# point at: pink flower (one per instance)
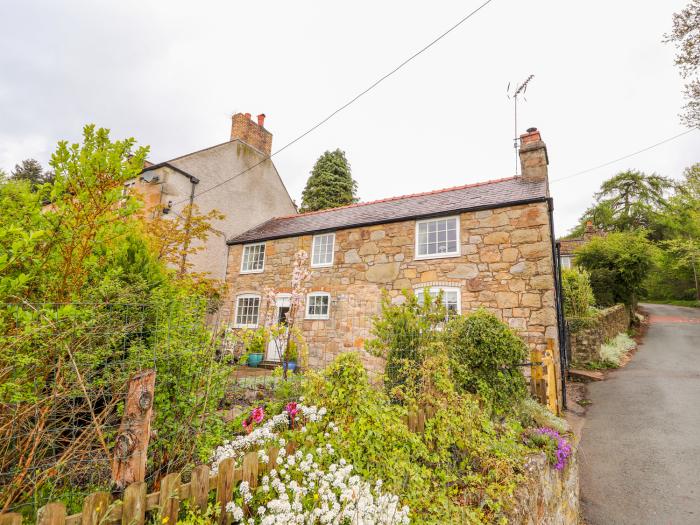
(258, 414)
(292, 409)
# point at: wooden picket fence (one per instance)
(100, 509)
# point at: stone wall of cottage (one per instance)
(505, 266)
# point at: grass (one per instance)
(694, 303)
(612, 351)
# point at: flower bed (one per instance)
(313, 486)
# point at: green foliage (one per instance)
(626, 258)
(533, 414)
(577, 292)
(330, 184)
(190, 515)
(463, 465)
(84, 303)
(486, 355)
(31, 171)
(402, 333)
(628, 201)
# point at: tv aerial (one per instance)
(519, 90)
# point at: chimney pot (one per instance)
(247, 115)
(261, 120)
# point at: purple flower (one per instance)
(563, 451)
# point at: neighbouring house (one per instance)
(568, 246)
(488, 244)
(238, 178)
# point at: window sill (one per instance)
(329, 265)
(245, 325)
(243, 272)
(437, 256)
(317, 318)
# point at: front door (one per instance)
(275, 349)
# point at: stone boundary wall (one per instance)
(549, 496)
(585, 343)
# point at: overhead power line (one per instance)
(625, 157)
(348, 103)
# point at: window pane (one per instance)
(253, 258)
(247, 310)
(323, 249)
(318, 306)
(437, 237)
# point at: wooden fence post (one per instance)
(250, 468)
(199, 487)
(169, 500)
(95, 507)
(129, 463)
(51, 514)
(224, 486)
(11, 518)
(550, 377)
(134, 507)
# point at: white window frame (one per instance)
(308, 304)
(567, 261)
(313, 250)
(437, 255)
(419, 293)
(236, 324)
(246, 246)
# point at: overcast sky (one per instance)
(171, 73)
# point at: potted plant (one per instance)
(254, 342)
(291, 355)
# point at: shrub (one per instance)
(532, 413)
(612, 351)
(578, 295)
(486, 355)
(402, 332)
(603, 284)
(627, 256)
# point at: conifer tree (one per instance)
(330, 184)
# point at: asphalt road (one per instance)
(640, 448)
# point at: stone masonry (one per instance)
(505, 266)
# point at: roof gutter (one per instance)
(192, 178)
(421, 216)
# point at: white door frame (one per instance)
(282, 300)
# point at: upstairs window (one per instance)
(247, 311)
(322, 250)
(437, 238)
(451, 298)
(318, 305)
(253, 260)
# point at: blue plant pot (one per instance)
(254, 359)
(291, 366)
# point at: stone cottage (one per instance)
(488, 244)
(237, 177)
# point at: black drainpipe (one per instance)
(561, 327)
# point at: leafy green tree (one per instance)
(31, 170)
(577, 292)
(628, 201)
(685, 35)
(330, 184)
(623, 258)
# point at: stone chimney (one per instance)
(533, 156)
(244, 129)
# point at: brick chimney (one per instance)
(533, 156)
(244, 129)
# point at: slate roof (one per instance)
(479, 196)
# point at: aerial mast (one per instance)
(519, 90)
